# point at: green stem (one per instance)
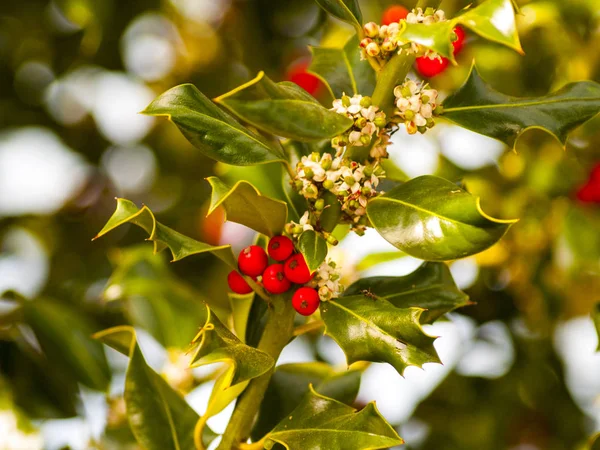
(279, 329)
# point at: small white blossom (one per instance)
(415, 105)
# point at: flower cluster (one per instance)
(381, 42)
(351, 182)
(327, 281)
(416, 105)
(368, 121)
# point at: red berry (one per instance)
(237, 283)
(459, 43)
(431, 67)
(394, 14)
(595, 173)
(589, 192)
(296, 269)
(252, 261)
(274, 279)
(280, 248)
(306, 300)
(296, 73)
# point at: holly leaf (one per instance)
(241, 305)
(159, 417)
(433, 219)
(319, 422)
(430, 287)
(373, 329)
(342, 70)
(163, 236)
(245, 204)
(493, 20)
(478, 107)
(314, 249)
(64, 336)
(596, 319)
(283, 109)
(346, 10)
(214, 132)
(290, 383)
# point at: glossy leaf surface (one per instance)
(430, 287)
(433, 219)
(342, 70)
(214, 132)
(290, 383)
(346, 10)
(159, 417)
(480, 108)
(163, 236)
(283, 109)
(319, 422)
(372, 329)
(244, 204)
(314, 249)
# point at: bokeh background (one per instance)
(520, 370)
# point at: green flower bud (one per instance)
(430, 123)
(298, 229)
(332, 264)
(328, 184)
(315, 156)
(368, 171)
(366, 140)
(380, 122)
(360, 122)
(439, 109)
(289, 228)
(331, 240)
(320, 204)
(406, 92)
(366, 190)
(349, 180)
(308, 173)
(299, 185)
(409, 114)
(365, 102)
(345, 100)
(353, 204)
(425, 98)
(422, 130)
(326, 164)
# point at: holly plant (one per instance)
(331, 165)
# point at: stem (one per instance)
(278, 331)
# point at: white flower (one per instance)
(419, 120)
(354, 138)
(426, 111)
(305, 222)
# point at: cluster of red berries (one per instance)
(426, 66)
(276, 278)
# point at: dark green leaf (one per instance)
(493, 20)
(159, 416)
(342, 70)
(480, 108)
(433, 219)
(319, 423)
(314, 249)
(373, 329)
(283, 109)
(163, 236)
(214, 132)
(430, 287)
(290, 383)
(346, 10)
(244, 204)
(65, 337)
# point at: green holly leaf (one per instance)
(245, 204)
(596, 319)
(64, 336)
(342, 70)
(283, 109)
(319, 422)
(163, 236)
(430, 287)
(433, 219)
(290, 383)
(369, 328)
(478, 107)
(314, 249)
(346, 10)
(214, 132)
(159, 417)
(241, 305)
(493, 20)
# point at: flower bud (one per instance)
(366, 101)
(411, 128)
(315, 156)
(365, 140)
(345, 100)
(328, 184)
(331, 240)
(380, 122)
(349, 180)
(365, 42)
(439, 109)
(373, 49)
(365, 190)
(425, 98)
(299, 185)
(298, 229)
(409, 114)
(368, 171)
(326, 164)
(430, 123)
(371, 29)
(422, 129)
(320, 204)
(289, 228)
(308, 173)
(325, 293)
(389, 45)
(361, 122)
